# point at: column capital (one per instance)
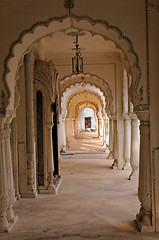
(126, 116)
(133, 116)
(144, 116)
(49, 125)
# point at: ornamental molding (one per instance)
(44, 77)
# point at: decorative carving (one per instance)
(19, 41)
(2, 107)
(154, 4)
(43, 72)
(141, 92)
(69, 4)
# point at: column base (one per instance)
(7, 226)
(134, 175)
(115, 165)
(57, 182)
(63, 150)
(127, 166)
(29, 195)
(144, 221)
(110, 156)
(47, 191)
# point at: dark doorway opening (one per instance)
(87, 122)
(40, 152)
(55, 141)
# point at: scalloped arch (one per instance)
(81, 87)
(80, 97)
(93, 80)
(41, 29)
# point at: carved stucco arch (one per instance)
(83, 97)
(76, 88)
(98, 82)
(84, 104)
(40, 29)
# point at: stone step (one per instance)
(83, 155)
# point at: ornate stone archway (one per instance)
(41, 29)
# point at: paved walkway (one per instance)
(94, 202)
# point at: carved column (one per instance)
(15, 158)
(115, 151)
(135, 147)
(96, 122)
(30, 137)
(67, 122)
(99, 127)
(110, 137)
(50, 160)
(4, 226)
(10, 184)
(127, 141)
(104, 131)
(63, 135)
(144, 218)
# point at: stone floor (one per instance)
(93, 202)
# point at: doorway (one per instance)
(87, 122)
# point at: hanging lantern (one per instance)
(77, 61)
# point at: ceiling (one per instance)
(60, 45)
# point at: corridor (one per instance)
(93, 202)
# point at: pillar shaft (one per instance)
(111, 138)
(4, 226)
(115, 150)
(50, 161)
(144, 218)
(135, 147)
(30, 138)
(10, 184)
(127, 142)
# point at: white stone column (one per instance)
(67, 127)
(125, 92)
(135, 147)
(127, 141)
(15, 158)
(50, 160)
(115, 150)
(110, 138)
(104, 132)
(62, 135)
(144, 218)
(99, 126)
(10, 184)
(30, 137)
(4, 226)
(96, 126)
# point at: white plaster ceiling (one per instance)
(59, 44)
